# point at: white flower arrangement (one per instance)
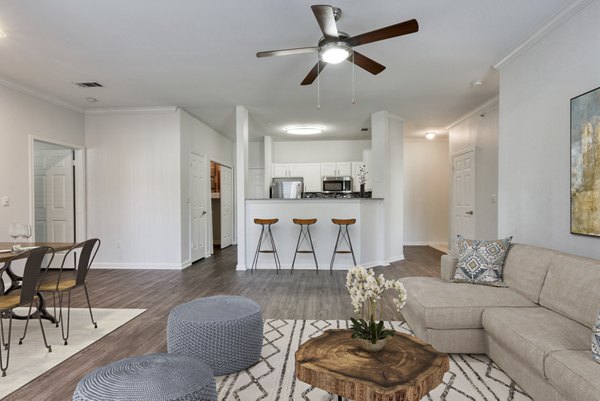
(365, 293)
(362, 174)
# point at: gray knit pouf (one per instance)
(156, 377)
(226, 332)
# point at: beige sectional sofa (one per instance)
(538, 330)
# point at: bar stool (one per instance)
(304, 235)
(342, 232)
(266, 236)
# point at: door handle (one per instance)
(470, 212)
(204, 212)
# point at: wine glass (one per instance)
(25, 231)
(13, 232)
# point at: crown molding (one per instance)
(554, 22)
(492, 102)
(39, 95)
(133, 110)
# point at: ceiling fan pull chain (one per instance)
(353, 78)
(318, 84)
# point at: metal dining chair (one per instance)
(66, 281)
(25, 296)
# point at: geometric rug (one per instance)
(471, 377)
(32, 359)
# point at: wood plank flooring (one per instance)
(303, 295)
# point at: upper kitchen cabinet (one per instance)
(340, 169)
(310, 172)
(280, 170)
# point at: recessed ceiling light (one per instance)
(430, 135)
(2, 34)
(304, 130)
(475, 84)
(91, 99)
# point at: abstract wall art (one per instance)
(585, 163)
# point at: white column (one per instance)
(268, 163)
(241, 173)
(387, 139)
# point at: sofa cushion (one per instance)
(481, 262)
(571, 288)
(531, 334)
(574, 374)
(596, 340)
(444, 305)
(525, 269)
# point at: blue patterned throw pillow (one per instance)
(596, 340)
(481, 262)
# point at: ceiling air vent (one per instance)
(89, 84)
(364, 129)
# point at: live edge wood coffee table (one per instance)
(405, 370)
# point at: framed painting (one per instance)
(585, 164)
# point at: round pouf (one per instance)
(157, 377)
(226, 332)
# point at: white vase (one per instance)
(367, 345)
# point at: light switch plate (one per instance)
(5, 201)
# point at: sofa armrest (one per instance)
(448, 266)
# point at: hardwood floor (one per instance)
(303, 295)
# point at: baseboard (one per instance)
(369, 265)
(137, 266)
(395, 258)
(240, 267)
(186, 264)
(297, 267)
(415, 243)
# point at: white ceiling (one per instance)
(200, 55)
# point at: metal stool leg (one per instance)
(274, 248)
(312, 247)
(350, 243)
(335, 250)
(256, 254)
(296, 251)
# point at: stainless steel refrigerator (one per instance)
(287, 187)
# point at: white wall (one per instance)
(133, 172)
(198, 138)
(480, 131)
(426, 186)
(319, 151)
(534, 141)
(23, 115)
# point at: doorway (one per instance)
(221, 194)
(54, 192)
(463, 199)
(198, 207)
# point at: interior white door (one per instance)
(198, 186)
(464, 195)
(53, 193)
(226, 206)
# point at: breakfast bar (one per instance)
(365, 234)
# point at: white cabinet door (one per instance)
(355, 183)
(344, 169)
(328, 169)
(280, 170)
(312, 177)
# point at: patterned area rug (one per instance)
(471, 377)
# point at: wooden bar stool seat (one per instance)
(266, 235)
(304, 235)
(344, 234)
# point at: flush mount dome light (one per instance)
(303, 130)
(430, 135)
(335, 52)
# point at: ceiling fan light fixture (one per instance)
(335, 52)
(304, 130)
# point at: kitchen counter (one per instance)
(366, 234)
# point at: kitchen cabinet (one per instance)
(341, 169)
(310, 172)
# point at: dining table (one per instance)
(7, 256)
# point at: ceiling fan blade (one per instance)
(287, 52)
(366, 63)
(403, 28)
(312, 75)
(326, 20)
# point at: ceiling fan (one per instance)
(336, 46)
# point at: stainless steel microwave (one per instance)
(332, 185)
